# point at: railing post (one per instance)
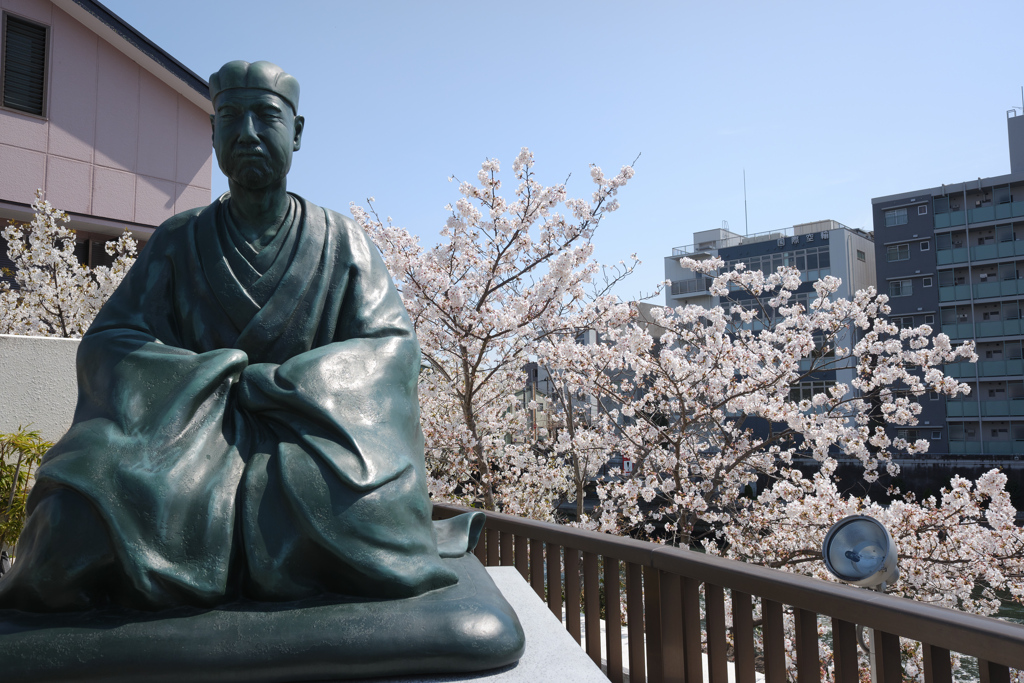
(492, 547)
(808, 663)
(691, 630)
(886, 649)
(743, 636)
(774, 637)
(505, 549)
(652, 625)
(844, 651)
(673, 659)
(612, 619)
(592, 601)
(554, 567)
(714, 610)
(521, 556)
(537, 566)
(937, 667)
(635, 623)
(572, 592)
(993, 673)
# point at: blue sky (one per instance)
(825, 104)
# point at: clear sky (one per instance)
(825, 104)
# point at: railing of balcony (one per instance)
(691, 286)
(667, 634)
(980, 214)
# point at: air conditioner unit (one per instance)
(824, 234)
(781, 241)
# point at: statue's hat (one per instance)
(260, 75)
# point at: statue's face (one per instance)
(254, 135)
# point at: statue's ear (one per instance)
(213, 125)
(300, 123)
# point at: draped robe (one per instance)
(247, 426)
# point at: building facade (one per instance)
(111, 127)
(952, 256)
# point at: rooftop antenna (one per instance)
(746, 225)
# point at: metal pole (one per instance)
(746, 225)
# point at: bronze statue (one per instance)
(247, 432)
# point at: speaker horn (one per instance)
(859, 550)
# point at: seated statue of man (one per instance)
(247, 424)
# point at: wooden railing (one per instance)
(667, 635)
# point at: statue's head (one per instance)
(256, 126)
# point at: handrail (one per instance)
(998, 644)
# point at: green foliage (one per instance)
(20, 455)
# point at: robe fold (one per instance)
(247, 426)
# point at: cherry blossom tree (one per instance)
(508, 274)
(708, 405)
(714, 404)
(54, 295)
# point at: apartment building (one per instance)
(817, 249)
(952, 256)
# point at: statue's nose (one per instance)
(247, 133)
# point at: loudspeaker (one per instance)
(859, 550)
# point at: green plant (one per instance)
(20, 455)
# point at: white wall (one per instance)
(38, 384)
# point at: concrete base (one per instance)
(551, 653)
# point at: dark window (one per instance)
(900, 288)
(895, 217)
(898, 252)
(861, 256)
(24, 72)
(922, 209)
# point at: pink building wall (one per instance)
(116, 143)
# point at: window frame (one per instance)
(901, 285)
(46, 64)
(862, 256)
(895, 217)
(901, 251)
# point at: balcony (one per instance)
(988, 408)
(982, 290)
(985, 368)
(986, 328)
(980, 214)
(698, 285)
(987, 448)
(668, 638)
(979, 253)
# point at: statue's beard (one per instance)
(251, 171)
